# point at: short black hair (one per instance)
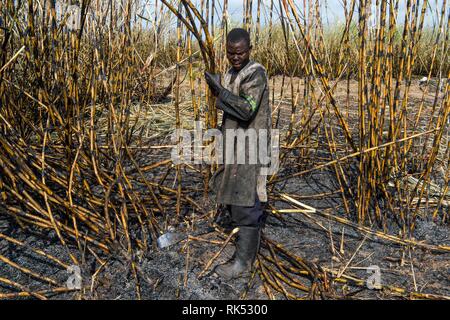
(238, 34)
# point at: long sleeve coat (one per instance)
(247, 109)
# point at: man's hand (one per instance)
(213, 81)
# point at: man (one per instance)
(244, 99)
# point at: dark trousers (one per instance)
(254, 216)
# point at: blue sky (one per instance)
(332, 10)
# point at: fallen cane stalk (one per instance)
(39, 294)
(378, 234)
(12, 59)
(192, 238)
(37, 251)
(386, 288)
(210, 262)
(28, 271)
(19, 286)
(352, 155)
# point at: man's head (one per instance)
(238, 48)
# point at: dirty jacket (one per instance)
(238, 184)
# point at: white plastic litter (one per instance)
(168, 239)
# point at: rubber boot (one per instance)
(247, 247)
(223, 220)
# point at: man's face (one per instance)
(238, 54)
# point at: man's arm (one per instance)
(244, 106)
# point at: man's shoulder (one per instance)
(255, 71)
(256, 67)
